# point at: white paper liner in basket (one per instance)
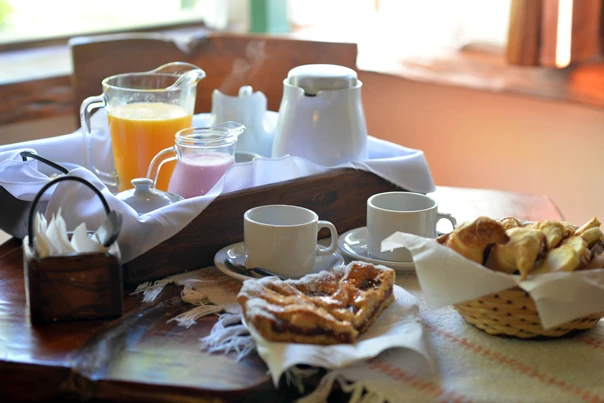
(447, 278)
(399, 326)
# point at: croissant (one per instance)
(471, 239)
(520, 253)
(510, 222)
(569, 229)
(554, 232)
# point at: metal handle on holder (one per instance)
(48, 162)
(30, 229)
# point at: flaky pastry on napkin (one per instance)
(399, 326)
(447, 278)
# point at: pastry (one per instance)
(593, 223)
(563, 258)
(596, 263)
(471, 239)
(591, 235)
(535, 248)
(520, 252)
(554, 232)
(510, 222)
(329, 307)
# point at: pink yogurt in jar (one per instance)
(196, 176)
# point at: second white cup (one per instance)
(283, 239)
(412, 213)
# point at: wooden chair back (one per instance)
(229, 60)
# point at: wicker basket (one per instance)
(513, 313)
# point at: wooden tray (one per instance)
(339, 196)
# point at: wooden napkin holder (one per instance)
(71, 287)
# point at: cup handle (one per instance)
(157, 162)
(449, 217)
(323, 251)
(89, 105)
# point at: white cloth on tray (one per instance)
(402, 166)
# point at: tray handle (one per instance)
(30, 229)
(48, 162)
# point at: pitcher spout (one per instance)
(189, 73)
(230, 128)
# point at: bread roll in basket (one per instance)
(515, 247)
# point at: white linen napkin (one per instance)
(448, 278)
(399, 326)
(22, 179)
(402, 166)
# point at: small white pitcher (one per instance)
(249, 109)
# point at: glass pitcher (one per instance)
(145, 111)
(202, 154)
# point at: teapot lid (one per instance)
(144, 199)
(313, 78)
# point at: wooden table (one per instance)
(140, 357)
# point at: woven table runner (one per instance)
(470, 365)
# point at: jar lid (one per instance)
(144, 199)
(313, 78)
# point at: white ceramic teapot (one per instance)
(321, 116)
(249, 109)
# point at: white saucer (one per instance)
(237, 253)
(353, 244)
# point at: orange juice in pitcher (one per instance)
(145, 111)
(137, 131)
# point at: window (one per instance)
(412, 24)
(30, 20)
(408, 26)
(554, 33)
(541, 32)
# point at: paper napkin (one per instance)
(52, 239)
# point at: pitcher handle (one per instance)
(89, 105)
(157, 162)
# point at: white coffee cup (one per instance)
(408, 212)
(283, 239)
